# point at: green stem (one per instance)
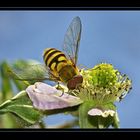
(42, 124)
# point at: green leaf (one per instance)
(6, 85)
(21, 106)
(28, 71)
(20, 85)
(8, 121)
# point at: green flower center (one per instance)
(103, 84)
(103, 75)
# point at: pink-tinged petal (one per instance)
(45, 87)
(99, 112)
(45, 97)
(95, 112)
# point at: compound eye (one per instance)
(71, 84)
(78, 79)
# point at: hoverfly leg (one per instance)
(72, 92)
(79, 86)
(60, 88)
(62, 92)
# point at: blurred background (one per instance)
(107, 36)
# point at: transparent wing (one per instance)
(37, 72)
(72, 39)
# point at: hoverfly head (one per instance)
(75, 81)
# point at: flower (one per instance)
(104, 84)
(101, 87)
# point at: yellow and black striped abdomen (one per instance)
(54, 59)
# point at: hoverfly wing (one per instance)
(72, 39)
(37, 72)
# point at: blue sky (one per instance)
(107, 36)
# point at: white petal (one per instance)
(99, 112)
(45, 97)
(95, 112)
(108, 112)
(45, 87)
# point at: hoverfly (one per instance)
(59, 66)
